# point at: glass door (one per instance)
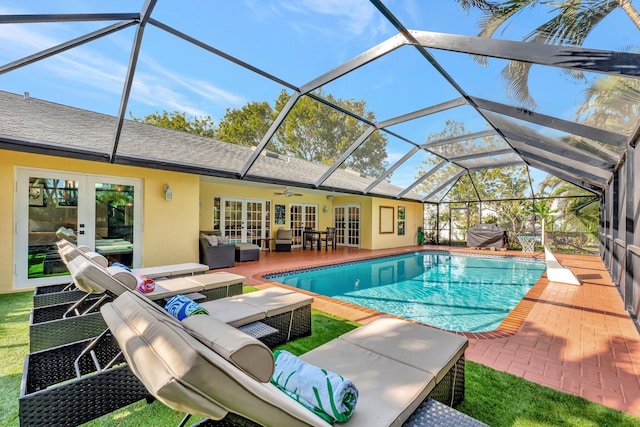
(244, 220)
(301, 216)
(101, 212)
(347, 223)
(114, 219)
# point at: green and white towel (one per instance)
(328, 394)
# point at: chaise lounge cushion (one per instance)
(389, 391)
(247, 353)
(187, 375)
(409, 358)
(238, 310)
(429, 349)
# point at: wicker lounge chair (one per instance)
(65, 323)
(64, 293)
(77, 382)
(223, 375)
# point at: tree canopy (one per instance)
(311, 131)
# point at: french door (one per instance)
(102, 212)
(244, 220)
(302, 215)
(347, 223)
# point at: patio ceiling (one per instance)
(421, 159)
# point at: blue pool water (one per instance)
(454, 292)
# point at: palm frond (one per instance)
(572, 22)
(466, 5)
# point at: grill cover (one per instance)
(486, 235)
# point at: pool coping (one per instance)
(508, 327)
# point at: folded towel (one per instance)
(121, 265)
(327, 394)
(145, 284)
(181, 307)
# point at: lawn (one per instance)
(494, 397)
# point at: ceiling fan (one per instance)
(287, 193)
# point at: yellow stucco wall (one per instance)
(209, 190)
(170, 228)
(370, 237)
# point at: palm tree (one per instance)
(613, 103)
(572, 21)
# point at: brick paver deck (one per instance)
(577, 339)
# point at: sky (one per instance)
(294, 40)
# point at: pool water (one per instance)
(455, 292)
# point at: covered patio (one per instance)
(576, 339)
(401, 111)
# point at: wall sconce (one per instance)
(324, 209)
(329, 197)
(168, 192)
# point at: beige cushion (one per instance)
(212, 240)
(126, 277)
(425, 348)
(93, 276)
(275, 300)
(170, 287)
(95, 257)
(78, 268)
(233, 312)
(388, 391)
(217, 279)
(188, 376)
(247, 353)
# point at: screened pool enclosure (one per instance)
(467, 107)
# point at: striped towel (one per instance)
(181, 307)
(327, 394)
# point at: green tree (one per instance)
(318, 133)
(201, 126)
(247, 125)
(571, 21)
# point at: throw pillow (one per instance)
(213, 240)
(223, 240)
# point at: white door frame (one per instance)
(86, 215)
(244, 237)
(299, 219)
(347, 232)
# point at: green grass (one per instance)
(494, 397)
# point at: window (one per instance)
(401, 220)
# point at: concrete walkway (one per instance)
(577, 339)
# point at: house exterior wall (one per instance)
(170, 228)
(370, 238)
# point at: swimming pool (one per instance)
(456, 292)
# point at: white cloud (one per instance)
(103, 69)
(357, 17)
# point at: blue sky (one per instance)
(296, 40)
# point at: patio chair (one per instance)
(204, 368)
(284, 239)
(311, 236)
(77, 382)
(330, 236)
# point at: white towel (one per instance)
(328, 394)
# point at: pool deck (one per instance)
(577, 339)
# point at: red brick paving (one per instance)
(577, 339)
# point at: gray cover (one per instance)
(486, 235)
